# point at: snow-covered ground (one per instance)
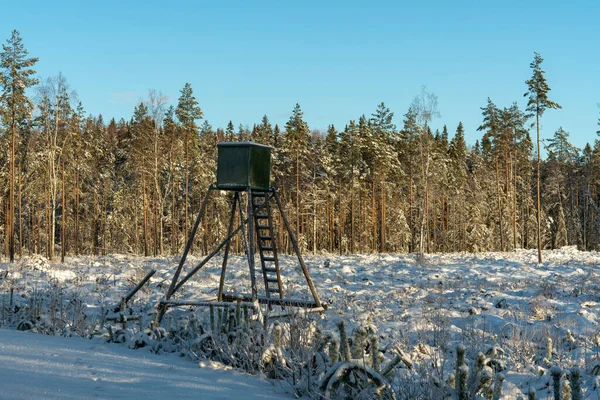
(50, 367)
(425, 306)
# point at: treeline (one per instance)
(77, 184)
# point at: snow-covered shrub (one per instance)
(117, 335)
(519, 343)
(495, 355)
(476, 379)
(273, 361)
(353, 377)
(355, 380)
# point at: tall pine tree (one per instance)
(15, 77)
(538, 102)
(187, 111)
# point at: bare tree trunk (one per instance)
(435, 244)
(186, 225)
(585, 208)
(157, 238)
(515, 202)
(539, 202)
(38, 246)
(443, 244)
(20, 212)
(104, 219)
(173, 217)
(135, 227)
(63, 227)
(499, 207)
(49, 238)
(330, 224)
(84, 218)
(425, 166)
(5, 242)
(76, 211)
(314, 224)
(30, 232)
(53, 182)
(158, 201)
(341, 224)
(10, 229)
(96, 231)
(335, 225)
(361, 218)
(144, 211)
(382, 235)
(352, 220)
(425, 235)
(298, 227)
(373, 219)
(410, 205)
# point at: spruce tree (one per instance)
(458, 145)
(265, 132)
(561, 149)
(296, 148)
(141, 127)
(589, 171)
(444, 137)
(230, 132)
(492, 151)
(407, 149)
(458, 182)
(16, 75)
(381, 120)
(187, 111)
(349, 160)
(242, 133)
(330, 162)
(538, 102)
(563, 161)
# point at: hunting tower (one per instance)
(245, 168)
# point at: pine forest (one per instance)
(385, 182)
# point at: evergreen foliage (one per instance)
(16, 75)
(538, 102)
(85, 185)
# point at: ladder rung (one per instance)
(274, 290)
(267, 248)
(263, 216)
(270, 269)
(263, 227)
(274, 280)
(265, 237)
(268, 258)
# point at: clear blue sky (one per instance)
(338, 59)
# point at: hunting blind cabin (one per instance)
(245, 167)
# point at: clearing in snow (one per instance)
(527, 317)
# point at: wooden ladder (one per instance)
(266, 243)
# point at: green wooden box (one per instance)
(243, 165)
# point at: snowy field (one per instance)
(49, 367)
(525, 317)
